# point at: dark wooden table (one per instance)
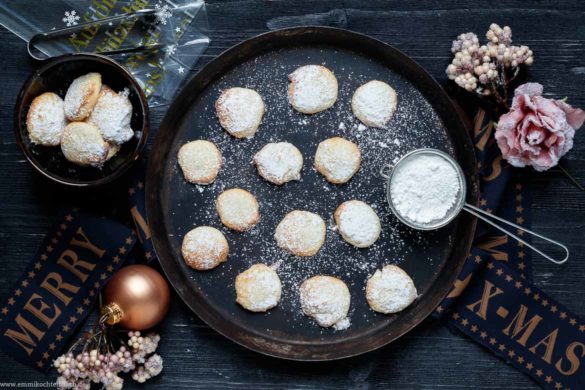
(428, 357)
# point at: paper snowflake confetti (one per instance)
(163, 13)
(70, 18)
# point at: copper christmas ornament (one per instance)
(137, 297)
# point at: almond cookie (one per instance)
(82, 96)
(390, 290)
(240, 111)
(112, 115)
(374, 103)
(279, 162)
(82, 144)
(358, 223)
(258, 288)
(312, 88)
(46, 119)
(301, 233)
(200, 161)
(238, 209)
(204, 248)
(337, 159)
(327, 300)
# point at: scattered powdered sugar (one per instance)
(112, 115)
(424, 188)
(279, 162)
(414, 125)
(358, 223)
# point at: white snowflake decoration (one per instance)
(170, 50)
(163, 13)
(181, 70)
(71, 18)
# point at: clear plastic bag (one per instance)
(178, 29)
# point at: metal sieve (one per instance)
(387, 172)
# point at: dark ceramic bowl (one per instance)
(56, 76)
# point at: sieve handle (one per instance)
(486, 217)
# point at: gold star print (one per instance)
(44, 257)
(520, 359)
(24, 283)
(581, 328)
(499, 272)
(519, 198)
(511, 353)
(45, 355)
(558, 385)
(72, 319)
(49, 248)
(536, 297)
(544, 302)
(59, 234)
(477, 259)
(140, 185)
(490, 265)
(63, 226)
(464, 322)
(11, 301)
(59, 337)
(502, 347)
(563, 315)
(529, 366)
(69, 218)
(122, 250)
(91, 293)
(103, 276)
(527, 291)
(521, 254)
(520, 244)
(548, 379)
(489, 211)
(32, 274)
(17, 292)
(65, 328)
(553, 308)
(474, 328)
(86, 301)
(455, 316)
(518, 186)
(116, 259)
(520, 232)
(439, 309)
(483, 202)
(131, 191)
(573, 321)
(148, 255)
(519, 209)
(80, 310)
(519, 220)
(493, 341)
(54, 240)
(4, 310)
(508, 278)
(39, 364)
(521, 266)
(539, 372)
(52, 346)
(518, 284)
(110, 268)
(96, 285)
(129, 240)
(38, 265)
(483, 334)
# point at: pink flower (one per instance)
(537, 131)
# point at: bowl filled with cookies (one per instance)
(81, 120)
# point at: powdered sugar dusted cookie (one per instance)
(258, 288)
(312, 88)
(200, 161)
(374, 103)
(337, 159)
(82, 96)
(112, 114)
(279, 162)
(301, 233)
(358, 223)
(204, 248)
(390, 290)
(238, 209)
(82, 144)
(46, 119)
(240, 111)
(327, 300)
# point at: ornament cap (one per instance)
(112, 313)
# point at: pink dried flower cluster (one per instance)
(537, 131)
(105, 366)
